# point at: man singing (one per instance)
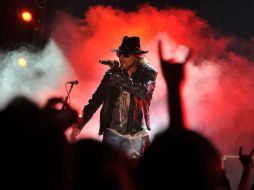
(125, 93)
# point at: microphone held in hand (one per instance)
(72, 82)
(111, 63)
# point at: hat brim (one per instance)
(130, 51)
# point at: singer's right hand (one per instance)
(111, 63)
(117, 70)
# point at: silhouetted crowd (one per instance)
(35, 153)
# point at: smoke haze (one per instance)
(218, 87)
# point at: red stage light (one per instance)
(27, 16)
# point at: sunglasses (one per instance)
(125, 54)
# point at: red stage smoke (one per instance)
(218, 91)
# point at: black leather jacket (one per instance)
(140, 86)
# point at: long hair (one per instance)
(141, 60)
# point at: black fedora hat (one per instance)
(130, 45)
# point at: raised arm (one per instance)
(247, 163)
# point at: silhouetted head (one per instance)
(99, 166)
(182, 159)
(33, 151)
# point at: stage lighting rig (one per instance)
(23, 24)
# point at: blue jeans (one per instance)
(134, 148)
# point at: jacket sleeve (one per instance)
(140, 89)
(95, 102)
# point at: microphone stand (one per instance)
(66, 98)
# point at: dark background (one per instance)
(230, 17)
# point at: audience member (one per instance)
(179, 158)
(99, 166)
(35, 155)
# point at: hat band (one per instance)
(129, 49)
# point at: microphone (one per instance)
(111, 63)
(72, 82)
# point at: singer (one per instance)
(125, 93)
